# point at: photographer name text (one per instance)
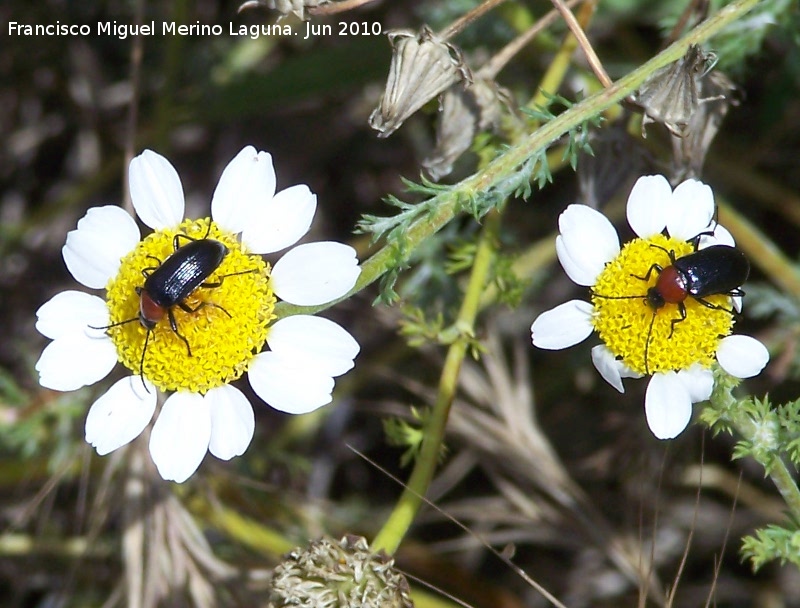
(171, 28)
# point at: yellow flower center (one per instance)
(646, 339)
(226, 328)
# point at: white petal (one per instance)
(698, 381)
(120, 415)
(721, 236)
(281, 222)
(315, 273)
(246, 185)
(180, 436)
(232, 422)
(587, 241)
(691, 210)
(320, 343)
(93, 252)
(286, 384)
(70, 312)
(575, 270)
(610, 368)
(647, 205)
(606, 364)
(75, 360)
(667, 405)
(156, 190)
(742, 356)
(563, 326)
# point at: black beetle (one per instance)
(715, 270)
(718, 269)
(172, 281)
(175, 279)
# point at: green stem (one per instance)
(449, 203)
(777, 470)
(408, 505)
(752, 431)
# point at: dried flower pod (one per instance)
(285, 7)
(464, 112)
(338, 574)
(689, 151)
(670, 95)
(422, 67)
(454, 133)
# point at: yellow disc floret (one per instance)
(227, 328)
(643, 337)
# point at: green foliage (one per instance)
(510, 288)
(720, 415)
(419, 330)
(400, 433)
(461, 257)
(578, 137)
(773, 433)
(30, 429)
(745, 38)
(393, 227)
(773, 543)
(771, 436)
(386, 292)
(518, 183)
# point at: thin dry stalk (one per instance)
(583, 42)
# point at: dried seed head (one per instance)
(670, 96)
(422, 67)
(284, 7)
(338, 574)
(464, 112)
(717, 93)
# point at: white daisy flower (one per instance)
(675, 341)
(197, 347)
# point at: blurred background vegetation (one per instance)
(542, 454)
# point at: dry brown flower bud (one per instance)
(689, 152)
(423, 66)
(670, 96)
(464, 112)
(285, 7)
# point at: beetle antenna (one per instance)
(647, 344)
(115, 324)
(619, 297)
(141, 363)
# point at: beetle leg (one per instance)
(148, 270)
(674, 322)
(669, 252)
(174, 327)
(646, 277)
(217, 283)
(695, 241)
(176, 240)
(708, 304)
(186, 308)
